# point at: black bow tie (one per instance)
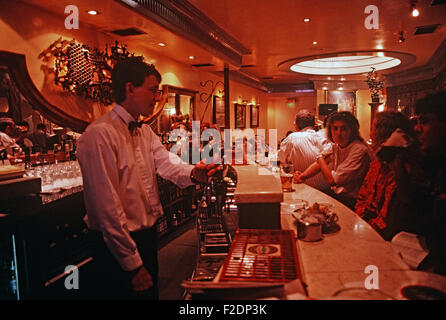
(134, 124)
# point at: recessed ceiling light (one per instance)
(191, 57)
(306, 20)
(161, 44)
(314, 42)
(92, 12)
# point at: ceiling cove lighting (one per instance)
(346, 63)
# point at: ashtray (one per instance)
(323, 213)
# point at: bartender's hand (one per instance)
(141, 280)
(202, 171)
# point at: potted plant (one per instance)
(375, 86)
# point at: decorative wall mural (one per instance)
(85, 71)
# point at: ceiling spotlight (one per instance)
(161, 44)
(191, 57)
(306, 20)
(414, 10)
(314, 42)
(92, 12)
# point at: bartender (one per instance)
(120, 158)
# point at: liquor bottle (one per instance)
(27, 158)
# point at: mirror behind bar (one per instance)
(18, 71)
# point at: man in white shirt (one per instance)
(119, 160)
(7, 143)
(345, 167)
(301, 148)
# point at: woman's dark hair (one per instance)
(433, 103)
(132, 70)
(351, 122)
(386, 122)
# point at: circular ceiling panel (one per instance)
(346, 63)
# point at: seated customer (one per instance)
(431, 195)
(23, 130)
(7, 136)
(385, 199)
(301, 148)
(345, 167)
(40, 139)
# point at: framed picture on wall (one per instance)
(346, 101)
(240, 116)
(254, 116)
(218, 112)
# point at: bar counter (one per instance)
(335, 267)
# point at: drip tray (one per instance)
(261, 255)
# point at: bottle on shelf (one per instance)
(174, 219)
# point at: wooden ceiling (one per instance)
(274, 31)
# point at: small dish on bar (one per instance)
(323, 212)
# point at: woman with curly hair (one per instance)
(345, 165)
(386, 199)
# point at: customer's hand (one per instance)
(202, 171)
(297, 177)
(141, 280)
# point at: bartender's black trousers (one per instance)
(115, 283)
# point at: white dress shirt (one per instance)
(349, 167)
(6, 142)
(119, 174)
(300, 149)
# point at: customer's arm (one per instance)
(300, 177)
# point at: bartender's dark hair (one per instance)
(304, 118)
(349, 119)
(132, 70)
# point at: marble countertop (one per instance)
(335, 267)
(256, 184)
